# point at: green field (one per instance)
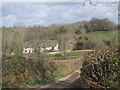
(98, 37)
(70, 54)
(57, 56)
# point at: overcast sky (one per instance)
(46, 14)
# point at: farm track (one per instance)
(65, 82)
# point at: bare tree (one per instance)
(62, 39)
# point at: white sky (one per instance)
(48, 13)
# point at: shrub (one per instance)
(89, 45)
(107, 42)
(16, 69)
(79, 45)
(84, 45)
(102, 66)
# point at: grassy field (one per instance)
(100, 36)
(70, 54)
(58, 56)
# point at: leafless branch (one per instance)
(93, 3)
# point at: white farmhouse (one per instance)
(56, 48)
(53, 48)
(28, 50)
(42, 50)
(42, 45)
(48, 48)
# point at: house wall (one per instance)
(28, 50)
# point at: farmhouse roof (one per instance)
(40, 43)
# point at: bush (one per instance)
(19, 72)
(89, 45)
(84, 45)
(107, 42)
(16, 69)
(79, 45)
(102, 67)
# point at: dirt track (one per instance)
(65, 82)
(69, 51)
